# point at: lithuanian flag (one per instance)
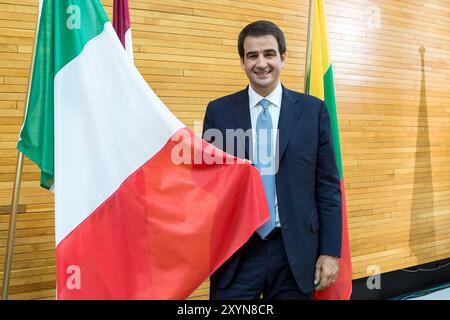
(319, 83)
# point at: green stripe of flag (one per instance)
(331, 104)
(65, 27)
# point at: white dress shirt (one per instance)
(274, 108)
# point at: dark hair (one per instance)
(258, 29)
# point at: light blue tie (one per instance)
(265, 163)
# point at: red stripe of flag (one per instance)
(165, 230)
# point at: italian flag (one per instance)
(319, 83)
(144, 209)
(122, 25)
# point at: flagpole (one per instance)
(16, 191)
(12, 228)
(308, 45)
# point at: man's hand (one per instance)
(327, 268)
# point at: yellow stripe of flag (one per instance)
(320, 54)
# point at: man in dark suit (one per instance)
(287, 136)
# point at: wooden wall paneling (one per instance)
(393, 109)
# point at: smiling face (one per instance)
(262, 63)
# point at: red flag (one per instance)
(122, 25)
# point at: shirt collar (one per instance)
(274, 97)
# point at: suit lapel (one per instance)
(289, 113)
(241, 115)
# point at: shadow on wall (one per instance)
(422, 230)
